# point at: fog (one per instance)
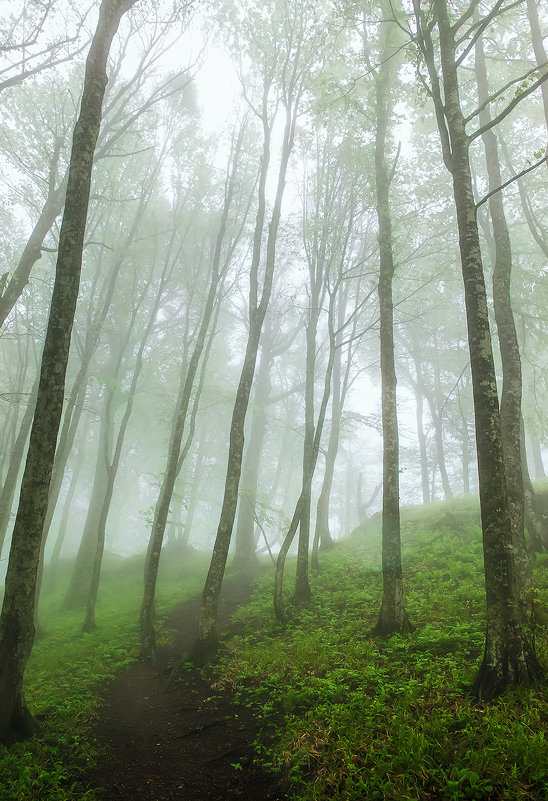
(271, 332)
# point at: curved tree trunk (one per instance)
(16, 620)
(33, 249)
(182, 419)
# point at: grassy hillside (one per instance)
(358, 718)
(348, 717)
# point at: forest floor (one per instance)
(166, 733)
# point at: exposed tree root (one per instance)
(385, 627)
(510, 664)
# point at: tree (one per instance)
(508, 655)
(225, 244)
(16, 619)
(35, 37)
(287, 53)
(510, 401)
(392, 616)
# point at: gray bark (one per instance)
(392, 616)
(244, 554)
(17, 617)
(510, 403)
(508, 656)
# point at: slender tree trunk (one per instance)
(510, 403)
(539, 49)
(536, 523)
(16, 458)
(33, 249)
(465, 457)
(112, 462)
(80, 582)
(244, 555)
(392, 616)
(436, 414)
(419, 411)
(207, 619)
(322, 534)
(302, 591)
(195, 488)
(301, 508)
(53, 569)
(540, 473)
(16, 620)
(181, 419)
(75, 402)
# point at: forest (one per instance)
(273, 400)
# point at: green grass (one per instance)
(68, 669)
(352, 717)
(360, 718)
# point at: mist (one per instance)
(273, 314)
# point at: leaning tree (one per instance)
(17, 617)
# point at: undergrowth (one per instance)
(67, 672)
(348, 717)
(351, 717)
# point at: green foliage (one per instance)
(67, 670)
(357, 717)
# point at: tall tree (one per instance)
(510, 401)
(286, 51)
(17, 617)
(36, 37)
(225, 243)
(508, 655)
(393, 615)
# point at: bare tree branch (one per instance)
(511, 180)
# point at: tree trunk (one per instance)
(535, 520)
(53, 569)
(540, 473)
(16, 457)
(302, 591)
(436, 414)
(33, 249)
(419, 404)
(322, 535)
(244, 555)
(17, 618)
(508, 656)
(510, 403)
(392, 616)
(112, 462)
(539, 49)
(181, 418)
(206, 643)
(80, 581)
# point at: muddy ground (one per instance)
(167, 734)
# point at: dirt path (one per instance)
(169, 735)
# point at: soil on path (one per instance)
(167, 734)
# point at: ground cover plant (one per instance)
(359, 717)
(344, 716)
(68, 670)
